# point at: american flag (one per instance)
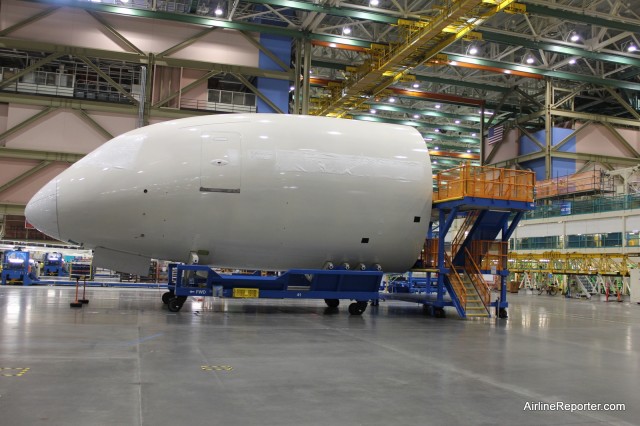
(495, 134)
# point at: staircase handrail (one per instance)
(475, 274)
(456, 282)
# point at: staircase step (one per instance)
(485, 315)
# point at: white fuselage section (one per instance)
(254, 191)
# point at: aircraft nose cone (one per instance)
(42, 210)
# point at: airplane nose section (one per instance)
(42, 210)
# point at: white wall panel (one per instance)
(633, 223)
(539, 230)
(595, 226)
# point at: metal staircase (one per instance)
(464, 230)
(585, 284)
(455, 287)
(469, 292)
(479, 293)
(475, 307)
(485, 226)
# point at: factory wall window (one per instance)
(632, 239)
(612, 239)
(539, 243)
(574, 207)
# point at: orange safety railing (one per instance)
(474, 273)
(484, 182)
(488, 254)
(573, 184)
(456, 282)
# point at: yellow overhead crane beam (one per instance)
(421, 41)
(571, 263)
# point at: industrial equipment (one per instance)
(16, 268)
(330, 285)
(54, 265)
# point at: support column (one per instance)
(277, 91)
(306, 84)
(296, 80)
(548, 131)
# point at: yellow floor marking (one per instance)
(20, 371)
(216, 368)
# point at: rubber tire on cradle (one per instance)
(502, 313)
(357, 308)
(332, 303)
(175, 304)
(167, 296)
(553, 291)
(439, 313)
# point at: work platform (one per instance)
(491, 202)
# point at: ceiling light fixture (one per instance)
(415, 85)
(372, 111)
(218, 11)
(438, 106)
(572, 61)
(530, 59)
(632, 48)
(346, 31)
(332, 45)
(574, 37)
(473, 50)
(416, 116)
(374, 3)
(392, 99)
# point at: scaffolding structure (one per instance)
(492, 201)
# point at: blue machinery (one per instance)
(331, 285)
(15, 268)
(54, 265)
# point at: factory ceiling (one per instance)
(452, 69)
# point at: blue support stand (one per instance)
(495, 217)
(331, 285)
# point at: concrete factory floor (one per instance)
(126, 360)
